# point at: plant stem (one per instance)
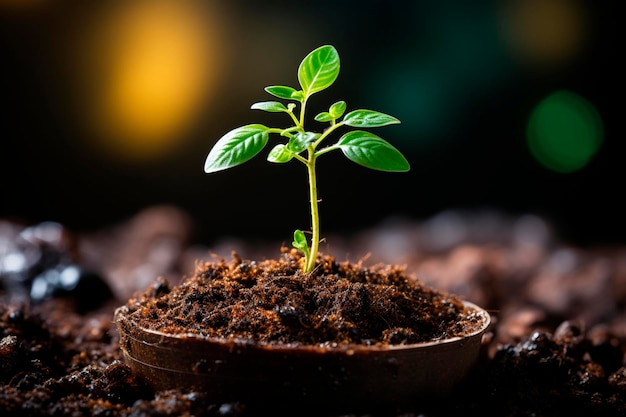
(315, 219)
(302, 112)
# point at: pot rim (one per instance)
(483, 320)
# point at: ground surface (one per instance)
(556, 346)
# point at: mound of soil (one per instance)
(273, 301)
(556, 346)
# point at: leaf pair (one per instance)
(244, 143)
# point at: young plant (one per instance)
(317, 71)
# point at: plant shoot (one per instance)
(317, 71)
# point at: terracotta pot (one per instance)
(279, 376)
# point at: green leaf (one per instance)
(236, 147)
(280, 154)
(299, 242)
(270, 106)
(338, 109)
(301, 141)
(298, 95)
(334, 112)
(368, 118)
(371, 151)
(282, 91)
(319, 69)
(324, 117)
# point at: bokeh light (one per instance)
(146, 71)
(420, 97)
(429, 85)
(564, 132)
(544, 34)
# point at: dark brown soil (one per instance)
(556, 346)
(273, 301)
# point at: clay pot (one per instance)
(279, 376)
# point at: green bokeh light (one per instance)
(420, 97)
(449, 60)
(564, 132)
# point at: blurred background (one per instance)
(112, 106)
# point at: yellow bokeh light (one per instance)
(544, 33)
(148, 68)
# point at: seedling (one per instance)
(317, 71)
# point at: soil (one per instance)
(556, 346)
(274, 302)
